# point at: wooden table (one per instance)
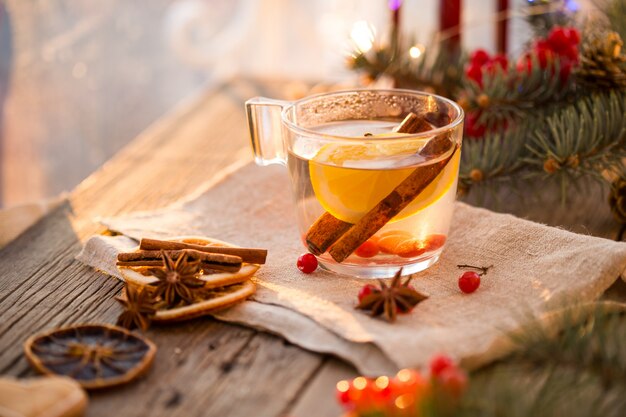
(203, 367)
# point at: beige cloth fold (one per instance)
(536, 269)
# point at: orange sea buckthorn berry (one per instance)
(368, 249)
(410, 248)
(434, 242)
(388, 244)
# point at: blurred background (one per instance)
(81, 78)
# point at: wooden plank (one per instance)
(320, 396)
(43, 286)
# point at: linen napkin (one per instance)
(536, 269)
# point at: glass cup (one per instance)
(369, 199)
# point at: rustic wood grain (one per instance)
(322, 387)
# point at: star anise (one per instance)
(139, 308)
(389, 300)
(177, 280)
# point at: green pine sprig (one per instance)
(513, 95)
(585, 138)
(439, 70)
(579, 371)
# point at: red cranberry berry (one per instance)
(366, 290)
(440, 363)
(479, 57)
(475, 72)
(307, 263)
(472, 127)
(544, 53)
(559, 39)
(469, 282)
(573, 35)
(571, 52)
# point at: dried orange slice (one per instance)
(94, 355)
(218, 299)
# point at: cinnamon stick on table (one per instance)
(327, 229)
(205, 266)
(249, 255)
(216, 261)
(174, 254)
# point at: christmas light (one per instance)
(416, 51)
(359, 383)
(343, 386)
(382, 382)
(362, 34)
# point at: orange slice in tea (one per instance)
(348, 193)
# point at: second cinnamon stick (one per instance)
(387, 208)
(249, 255)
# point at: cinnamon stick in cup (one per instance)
(387, 208)
(412, 123)
(327, 229)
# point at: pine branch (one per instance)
(494, 158)
(514, 95)
(436, 69)
(583, 139)
(580, 371)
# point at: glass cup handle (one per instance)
(266, 130)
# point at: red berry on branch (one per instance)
(472, 126)
(469, 282)
(571, 52)
(573, 35)
(475, 72)
(440, 363)
(558, 39)
(524, 64)
(479, 57)
(307, 263)
(544, 53)
(366, 290)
